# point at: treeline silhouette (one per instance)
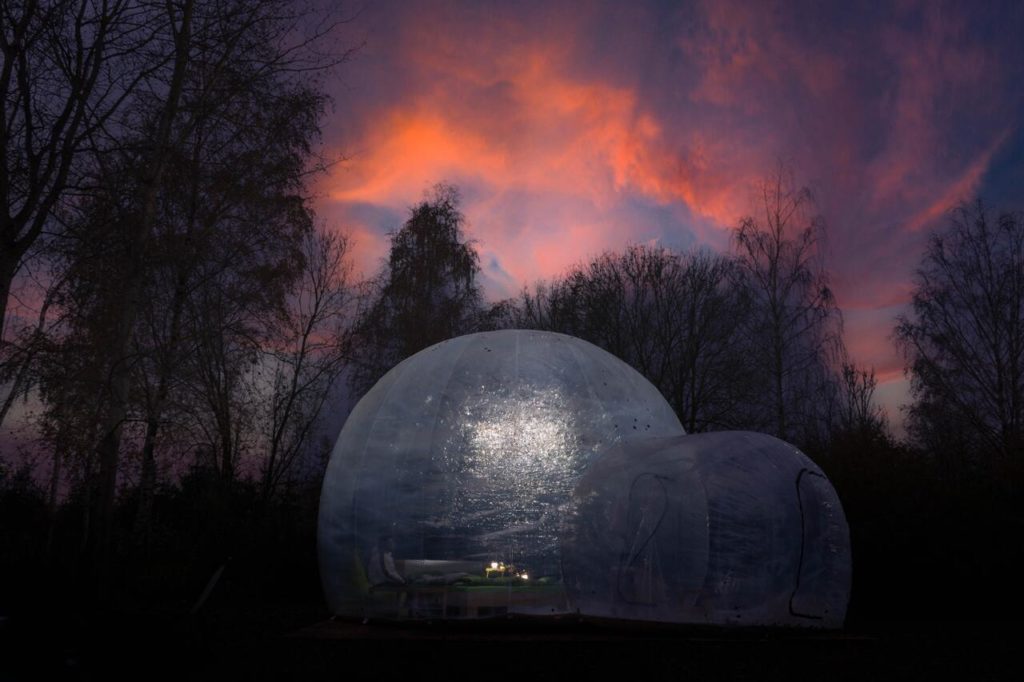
(751, 339)
(197, 328)
(186, 314)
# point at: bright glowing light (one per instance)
(522, 438)
(525, 444)
(494, 565)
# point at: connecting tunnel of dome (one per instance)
(525, 472)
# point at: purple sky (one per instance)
(580, 127)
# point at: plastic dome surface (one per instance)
(726, 528)
(531, 472)
(447, 490)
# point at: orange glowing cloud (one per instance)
(517, 123)
(573, 129)
(552, 134)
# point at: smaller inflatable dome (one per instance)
(728, 528)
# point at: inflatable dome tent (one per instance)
(526, 472)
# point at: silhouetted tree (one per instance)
(134, 241)
(232, 218)
(794, 326)
(675, 317)
(18, 371)
(307, 355)
(191, 232)
(67, 68)
(963, 342)
(427, 291)
(856, 410)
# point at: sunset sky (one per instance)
(575, 128)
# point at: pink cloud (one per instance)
(544, 134)
(568, 127)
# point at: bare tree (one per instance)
(226, 338)
(136, 236)
(795, 325)
(674, 317)
(856, 411)
(231, 214)
(710, 385)
(964, 340)
(17, 360)
(307, 354)
(221, 97)
(67, 68)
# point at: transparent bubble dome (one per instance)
(467, 453)
(724, 528)
(478, 477)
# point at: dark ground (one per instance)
(300, 643)
(936, 590)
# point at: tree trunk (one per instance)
(227, 460)
(780, 403)
(147, 485)
(117, 401)
(106, 481)
(51, 501)
(9, 258)
(17, 385)
(147, 478)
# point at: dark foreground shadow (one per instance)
(296, 644)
